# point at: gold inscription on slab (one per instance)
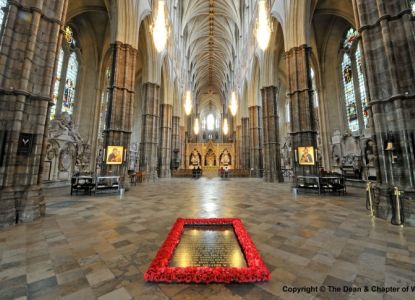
(208, 246)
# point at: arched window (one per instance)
(70, 84)
(354, 88)
(210, 122)
(104, 104)
(64, 91)
(3, 4)
(315, 99)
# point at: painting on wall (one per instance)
(115, 155)
(306, 156)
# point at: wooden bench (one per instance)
(321, 184)
(82, 183)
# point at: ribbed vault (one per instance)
(211, 30)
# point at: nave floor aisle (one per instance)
(100, 246)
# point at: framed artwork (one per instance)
(115, 155)
(306, 156)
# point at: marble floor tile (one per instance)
(98, 247)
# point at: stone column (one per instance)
(166, 115)
(255, 145)
(272, 155)
(245, 160)
(175, 141)
(238, 144)
(121, 94)
(150, 133)
(183, 135)
(300, 92)
(28, 58)
(387, 33)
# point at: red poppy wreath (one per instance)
(160, 271)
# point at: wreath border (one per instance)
(159, 271)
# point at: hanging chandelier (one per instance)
(225, 126)
(159, 28)
(263, 26)
(188, 103)
(233, 104)
(196, 126)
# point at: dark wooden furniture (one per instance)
(82, 183)
(321, 184)
(332, 184)
(133, 178)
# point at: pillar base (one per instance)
(382, 204)
(21, 205)
(165, 173)
(7, 208)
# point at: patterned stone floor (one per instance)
(91, 247)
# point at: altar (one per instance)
(210, 155)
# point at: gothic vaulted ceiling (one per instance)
(211, 31)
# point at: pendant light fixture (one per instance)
(263, 26)
(159, 28)
(188, 103)
(233, 104)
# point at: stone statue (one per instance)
(226, 158)
(195, 158)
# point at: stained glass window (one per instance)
(57, 83)
(349, 93)
(3, 4)
(353, 79)
(104, 103)
(362, 87)
(351, 36)
(315, 99)
(64, 90)
(70, 84)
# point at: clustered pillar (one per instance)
(166, 113)
(300, 92)
(26, 78)
(175, 143)
(238, 143)
(183, 138)
(272, 155)
(388, 44)
(255, 133)
(150, 134)
(120, 103)
(245, 157)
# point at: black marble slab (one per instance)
(208, 246)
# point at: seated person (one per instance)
(226, 171)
